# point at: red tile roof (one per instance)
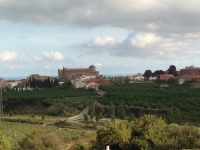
(98, 81)
(166, 76)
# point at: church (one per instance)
(67, 73)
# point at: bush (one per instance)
(41, 141)
(5, 143)
(80, 146)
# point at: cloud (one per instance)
(54, 56)
(147, 45)
(98, 64)
(49, 56)
(103, 42)
(144, 39)
(155, 15)
(8, 56)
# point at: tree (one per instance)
(121, 112)
(172, 70)
(173, 115)
(97, 118)
(131, 118)
(148, 73)
(148, 132)
(114, 134)
(86, 117)
(111, 110)
(158, 72)
(91, 110)
(172, 81)
(126, 80)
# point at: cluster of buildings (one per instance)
(82, 77)
(79, 77)
(185, 74)
(90, 78)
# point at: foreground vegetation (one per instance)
(148, 132)
(19, 136)
(146, 97)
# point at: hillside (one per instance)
(180, 98)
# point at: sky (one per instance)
(117, 36)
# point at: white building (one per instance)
(138, 77)
(152, 78)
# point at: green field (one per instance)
(153, 96)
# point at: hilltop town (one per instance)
(90, 78)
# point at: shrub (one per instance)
(5, 143)
(41, 141)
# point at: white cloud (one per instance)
(98, 64)
(37, 58)
(8, 56)
(103, 41)
(54, 56)
(147, 45)
(144, 39)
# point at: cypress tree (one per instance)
(121, 112)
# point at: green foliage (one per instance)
(131, 118)
(121, 112)
(41, 141)
(127, 80)
(91, 110)
(147, 73)
(19, 132)
(149, 132)
(46, 98)
(172, 81)
(86, 117)
(114, 133)
(5, 143)
(79, 145)
(150, 98)
(43, 117)
(173, 115)
(66, 84)
(97, 118)
(172, 70)
(111, 110)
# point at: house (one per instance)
(152, 78)
(166, 76)
(137, 77)
(94, 83)
(183, 79)
(79, 83)
(190, 70)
